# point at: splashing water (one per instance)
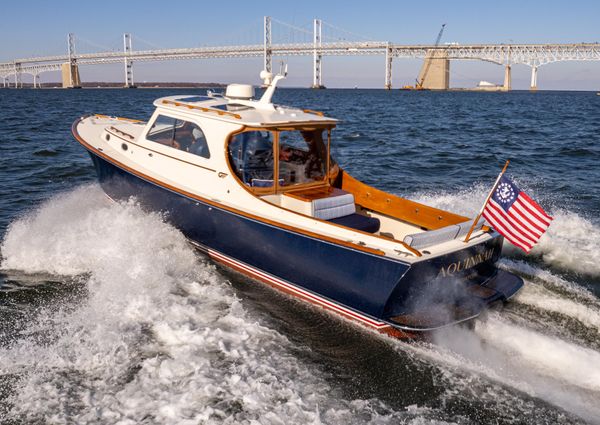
(162, 336)
(569, 244)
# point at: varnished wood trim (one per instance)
(396, 207)
(119, 118)
(159, 183)
(310, 111)
(308, 195)
(296, 125)
(121, 132)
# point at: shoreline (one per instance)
(177, 86)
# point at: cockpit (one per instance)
(298, 157)
(292, 168)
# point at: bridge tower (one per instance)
(267, 52)
(70, 70)
(127, 49)
(388, 67)
(317, 34)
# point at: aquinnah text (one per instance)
(467, 263)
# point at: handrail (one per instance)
(202, 108)
(310, 111)
(116, 130)
(118, 118)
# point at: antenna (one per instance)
(266, 97)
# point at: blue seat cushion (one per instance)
(358, 222)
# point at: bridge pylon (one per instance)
(70, 76)
(70, 70)
(388, 68)
(507, 78)
(533, 86)
(267, 53)
(435, 72)
(127, 49)
(17, 71)
(317, 56)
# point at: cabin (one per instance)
(274, 162)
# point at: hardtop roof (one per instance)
(241, 111)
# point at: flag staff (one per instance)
(486, 201)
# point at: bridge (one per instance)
(319, 45)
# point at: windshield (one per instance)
(302, 157)
(251, 157)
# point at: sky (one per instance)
(38, 27)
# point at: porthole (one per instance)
(107, 137)
(124, 146)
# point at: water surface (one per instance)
(107, 315)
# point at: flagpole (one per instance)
(486, 201)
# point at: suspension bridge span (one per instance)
(318, 45)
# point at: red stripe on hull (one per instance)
(309, 297)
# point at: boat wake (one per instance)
(161, 336)
(546, 342)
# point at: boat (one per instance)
(253, 185)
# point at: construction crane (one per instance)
(419, 85)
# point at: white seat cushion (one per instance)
(433, 237)
(334, 206)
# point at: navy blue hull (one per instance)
(373, 285)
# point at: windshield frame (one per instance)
(276, 188)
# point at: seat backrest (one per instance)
(433, 237)
(333, 206)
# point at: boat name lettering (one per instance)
(467, 263)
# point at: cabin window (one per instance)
(179, 134)
(162, 130)
(251, 157)
(302, 156)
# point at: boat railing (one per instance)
(310, 111)
(121, 132)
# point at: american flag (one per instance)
(515, 215)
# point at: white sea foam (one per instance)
(570, 242)
(161, 337)
(545, 367)
(547, 292)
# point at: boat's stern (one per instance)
(451, 288)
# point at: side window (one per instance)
(162, 130)
(190, 138)
(179, 134)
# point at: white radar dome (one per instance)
(239, 91)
